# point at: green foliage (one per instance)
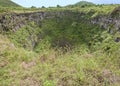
(116, 12)
(51, 67)
(69, 31)
(8, 3)
(49, 83)
(27, 36)
(43, 7)
(82, 4)
(33, 7)
(88, 57)
(42, 45)
(58, 6)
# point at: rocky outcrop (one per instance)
(14, 21)
(110, 22)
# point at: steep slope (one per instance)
(8, 3)
(68, 22)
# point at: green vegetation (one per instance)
(82, 4)
(27, 36)
(51, 67)
(7, 6)
(65, 50)
(8, 3)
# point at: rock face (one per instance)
(117, 39)
(110, 22)
(13, 21)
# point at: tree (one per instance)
(43, 7)
(58, 6)
(33, 7)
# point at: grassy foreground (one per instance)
(78, 67)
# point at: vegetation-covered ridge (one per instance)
(8, 3)
(64, 46)
(82, 4)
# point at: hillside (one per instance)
(81, 3)
(8, 3)
(62, 46)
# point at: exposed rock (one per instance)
(109, 23)
(115, 12)
(15, 21)
(117, 39)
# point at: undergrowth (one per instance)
(63, 51)
(77, 67)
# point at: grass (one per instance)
(8, 3)
(54, 68)
(48, 64)
(96, 9)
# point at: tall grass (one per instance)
(54, 68)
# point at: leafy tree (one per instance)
(43, 7)
(58, 6)
(33, 7)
